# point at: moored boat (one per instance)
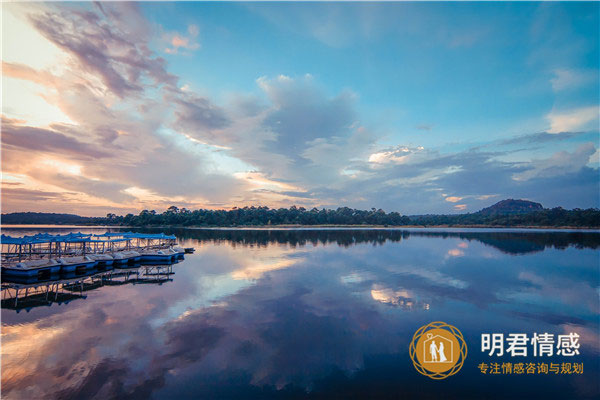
(157, 255)
(178, 251)
(29, 268)
(126, 256)
(102, 259)
(70, 264)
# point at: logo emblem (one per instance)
(438, 350)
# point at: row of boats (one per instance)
(45, 254)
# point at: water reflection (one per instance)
(30, 292)
(511, 242)
(281, 314)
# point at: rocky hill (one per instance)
(510, 206)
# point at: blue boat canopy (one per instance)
(82, 237)
(149, 236)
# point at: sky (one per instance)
(410, 107)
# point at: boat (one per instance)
(102, 259)
(31, 268)
(126, 256)
(70, 264)
(79, 252)
(178, 251)
(157, 255)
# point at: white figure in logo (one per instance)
(441, 351)
(433, 350)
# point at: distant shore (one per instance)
(304, 227)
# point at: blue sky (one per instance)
(413, 107)
(460, 67)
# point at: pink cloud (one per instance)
(178, 41)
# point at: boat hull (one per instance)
(31, 272)
(77, 266)
(157, 257)
(126, 257)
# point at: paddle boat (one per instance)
(178, 251)
(163, 255)
(126, 256)
(102, 259)
(71, 264)
(31, 268)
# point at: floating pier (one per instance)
(43, 254)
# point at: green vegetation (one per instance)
(555, 217)
(264, 216)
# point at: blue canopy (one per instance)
(82, 237)
(149, 236)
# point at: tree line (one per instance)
(265, 216)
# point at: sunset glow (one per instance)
(119, 107)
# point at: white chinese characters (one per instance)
(519, 344)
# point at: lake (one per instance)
(311, 313)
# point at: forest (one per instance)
(265, 216)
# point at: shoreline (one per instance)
(301, 227)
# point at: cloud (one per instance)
(103, 189)
(537, 138)
(456, 253)
(559, 163)
(19, 194)
(113, 89)
(131, 132)
(293, 100)
(486, 196)
(566, 79)
(572, 120)
(292, 137)
(595, 158)
(176, 41)
(21, 71)
(398, 155)
(198, 116)
(47, 140)
(419, 185)
(108, 47)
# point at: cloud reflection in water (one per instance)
(283, 317)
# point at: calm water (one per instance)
(312, 313)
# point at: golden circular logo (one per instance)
(438, 350)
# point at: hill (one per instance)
(38, 218)
(510, 206)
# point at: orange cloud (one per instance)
(24, 72)
(456, 253)
(178, 41)
(453, 199)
